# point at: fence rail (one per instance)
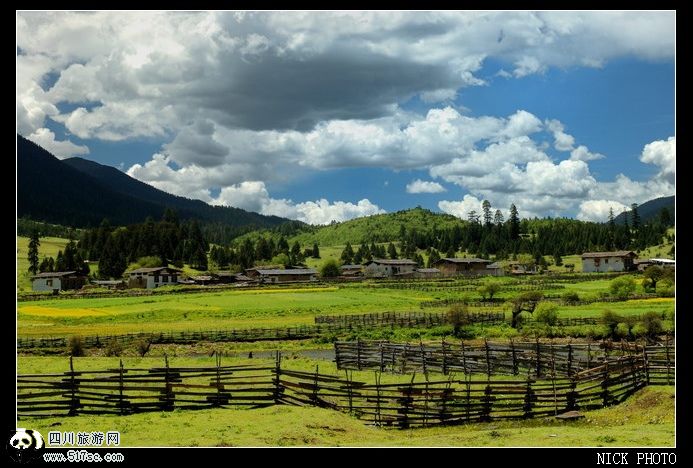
(436, 401)
(498, 358)
(407, 319)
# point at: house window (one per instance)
(156, 278)
(49, 282)
(164, 278)
(174, 279)
(606, 260)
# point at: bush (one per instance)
(488, 290)
(622, 330)
(639, 330)
(458, 317)
(546, 313)
(571, 297)
(75, 346)
(652, 322)
(114, 348)
(622, 287)
(329, 269)
(142, 347)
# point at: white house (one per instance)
(151, 278)
(381, 267)
(621, 260)
(57, 281)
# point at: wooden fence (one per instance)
(493, 358)
(448, 400)
(454, 401)
(407, 319)
(132, 390)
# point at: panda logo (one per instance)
(24, 445)
(26, 439)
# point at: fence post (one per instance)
(377, 399)
(538, 357)
(464, 359)
(605, 385)
(514, 353)
(668, 360)
(445, 367)
(570, 359)
(382, 356)
(423, 358)
(120, 389)
(358, 353)
(277, 375)
(167, 399)
(74, 402)
(589, 355)
(486, 407)
(488, 359)
(529, 397)
(646, 364)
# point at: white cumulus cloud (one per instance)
(663, 154)
(60, 148)
(598, 210)
(424, 186)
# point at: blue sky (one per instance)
(320, 116)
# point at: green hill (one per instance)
(376, 228)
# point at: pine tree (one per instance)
(514, 223)
(635, 216)
(316, 250)
(486, 207)
(33, 256)
(60, 262)
(347, 254)
(432, 258)
(392, 251)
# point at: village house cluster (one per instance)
(150, 278)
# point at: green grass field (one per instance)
(49, 248)
(228, 309)
(645, 419)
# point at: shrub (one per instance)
(571, 297)
(546, 313)
(142, 347)
(652, 322)
(639, 330)
(488, 290)
(329, 269)
(622, 287)
(114, 348)
(75, 346)
(622, 330)
(458, 317)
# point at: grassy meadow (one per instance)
(645, 419)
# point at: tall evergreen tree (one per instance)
(498, 218)
(635, 216)
(316, 250)
(392, 251)
(347, 254)
(33, 255)
(514, 223)
(432, 258)
(488, 218)
(665, 217)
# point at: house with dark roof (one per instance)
(57, 281)
(151, 278)
(351, 270)
(276, 275)
(426, 273)
(382, 268)
(465, 266)
(621, 260)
